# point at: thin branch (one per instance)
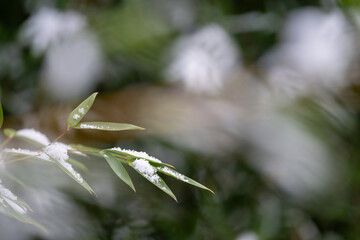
(61, 135)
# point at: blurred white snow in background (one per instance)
(203, 61)
(49, 26)
(73, 58)
(315, 52)
(290, 157)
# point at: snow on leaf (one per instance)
(33, 136)
(181, 177)
(142, 155)
(79, 112)
(58, 152)
(26, 152)
(143, 167)
(107, 126)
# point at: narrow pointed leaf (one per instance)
(79, 112)
(12, 177)
(1, 116)
(27, 153)
(6, 209)
(78, 164)
(181, 177)
(132, 157)
(158, 182)
(107, 126)
(74, 175)
(13, 206)
(118, 168)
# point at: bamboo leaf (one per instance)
(107, 126)
(181, 177)
(79, 112)
(13, 206)
(74, 175)
(118, 168)
(8, 210)
(153, 177)
(131, 155)
(78, 164)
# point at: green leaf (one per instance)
(1, 116)
(131, 157)
(158, 182)
(118, 168)
(9, 132)
(79, 112)
(73, 174)
(181, 177)
(107, 126)
(78, 164)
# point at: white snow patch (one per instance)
(58, 151)
(142, 155)
(76, 116)
(16, 206)
(175, 174)
(146, 169)
(27, 152)
(89, 126)
(6, 193)
(34, 135)
(82, 110)
(6, 196)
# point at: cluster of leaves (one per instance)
(63, 155)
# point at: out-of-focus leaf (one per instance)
(13, 206)
(21, 217)
(6, 173)
(158, 182)
(79, 112)
(181, 177)
(118, 168)
(78, 164)
(27, 153)
(107, 126)
(9, 132)
(1, 116)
